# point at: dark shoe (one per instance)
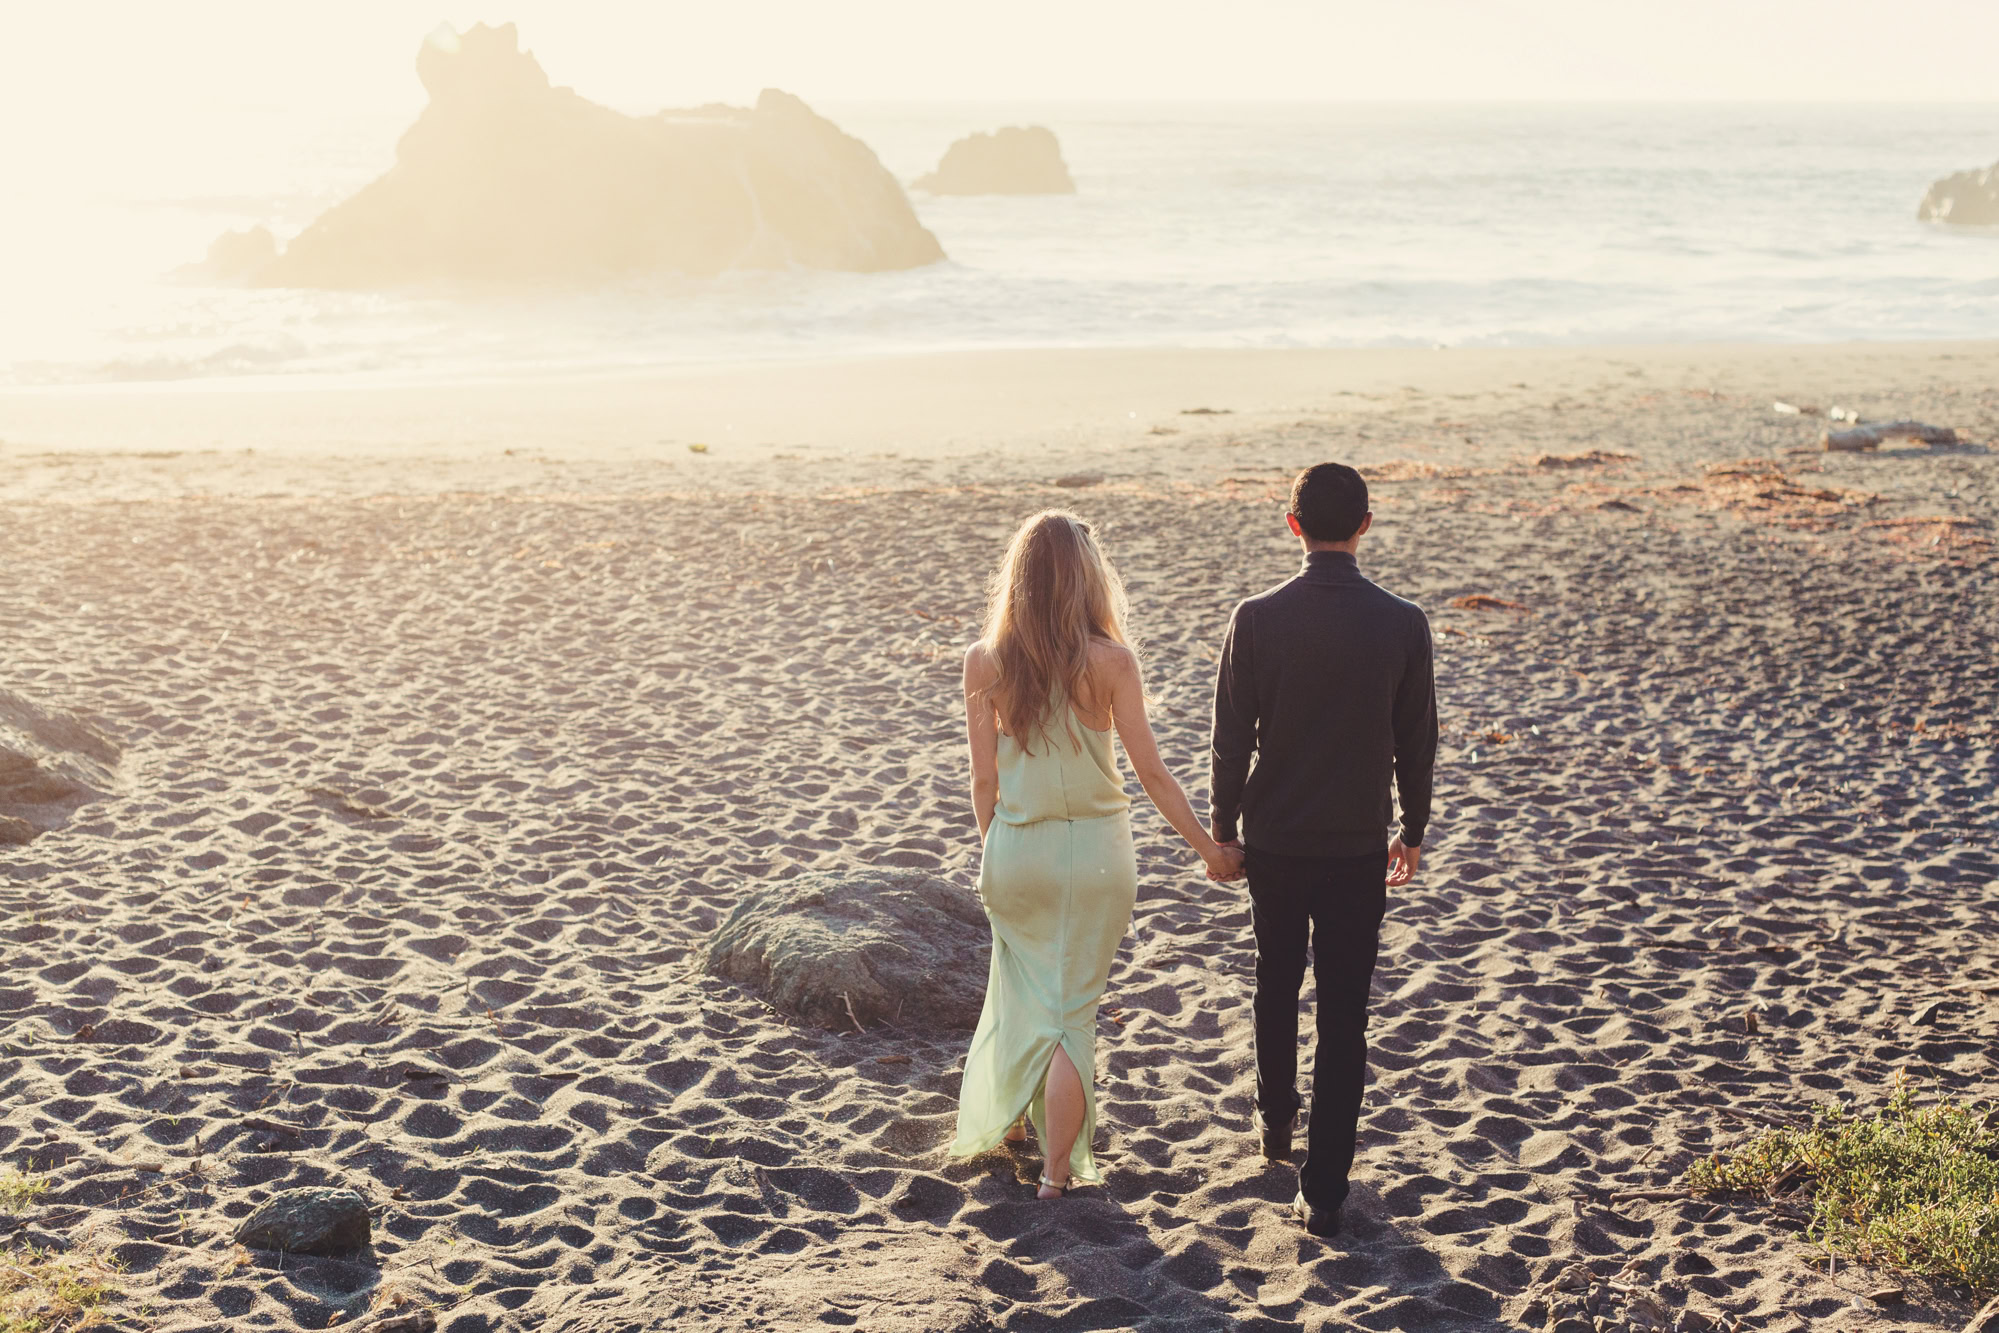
(1319, 1221)
(1276, 1138)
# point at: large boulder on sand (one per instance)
(51, 763)
(505, 179)
(1020, 159)
(860, 947)
(33, 799)
(308, 1221)
(1968, 199)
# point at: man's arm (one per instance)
(1415, 745)
(1234, 736)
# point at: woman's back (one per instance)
(1071, 773)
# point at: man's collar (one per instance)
(1329, 566)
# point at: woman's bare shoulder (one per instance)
(1111, 660)
(979, 662)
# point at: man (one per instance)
(1326, 682)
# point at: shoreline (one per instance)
(1028, 409)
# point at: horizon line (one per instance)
(1992, 102)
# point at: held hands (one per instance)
(1225, 863)
(1402, 862)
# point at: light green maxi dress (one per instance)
(1058, 879)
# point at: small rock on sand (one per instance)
(845, 950)
(308, 1221)
(1076, 481)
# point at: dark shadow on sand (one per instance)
(1092, 1260)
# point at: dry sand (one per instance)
(435, 766)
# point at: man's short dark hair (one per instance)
(1329, 500)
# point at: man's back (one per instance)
(1325, 684)
(1326, 680)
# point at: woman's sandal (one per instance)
(1018, 1134)
(1060, 1190)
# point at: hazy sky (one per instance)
(91, 58)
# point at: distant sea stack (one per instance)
(236, 257)
(1968, 199)
(1020, 159)
(504, 179)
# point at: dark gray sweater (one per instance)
(1326, 681)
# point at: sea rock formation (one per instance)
(505, 179)
(1968, 199)
(235, 257)
(845, 950)
(1020, 159)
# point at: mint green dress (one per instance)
(1058, 879)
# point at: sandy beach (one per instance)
(434, 730)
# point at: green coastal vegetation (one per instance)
(1912, 1187)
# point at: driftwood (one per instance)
(1862, 438)
(415, 1321)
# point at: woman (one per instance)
(1053, 674)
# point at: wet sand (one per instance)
(432, 767)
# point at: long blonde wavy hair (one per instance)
(1054, 592)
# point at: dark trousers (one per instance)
(1339, 902)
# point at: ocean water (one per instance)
(1330, 225)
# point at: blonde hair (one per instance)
(1055, 591)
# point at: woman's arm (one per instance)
(1127, 698)
(982, 735)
